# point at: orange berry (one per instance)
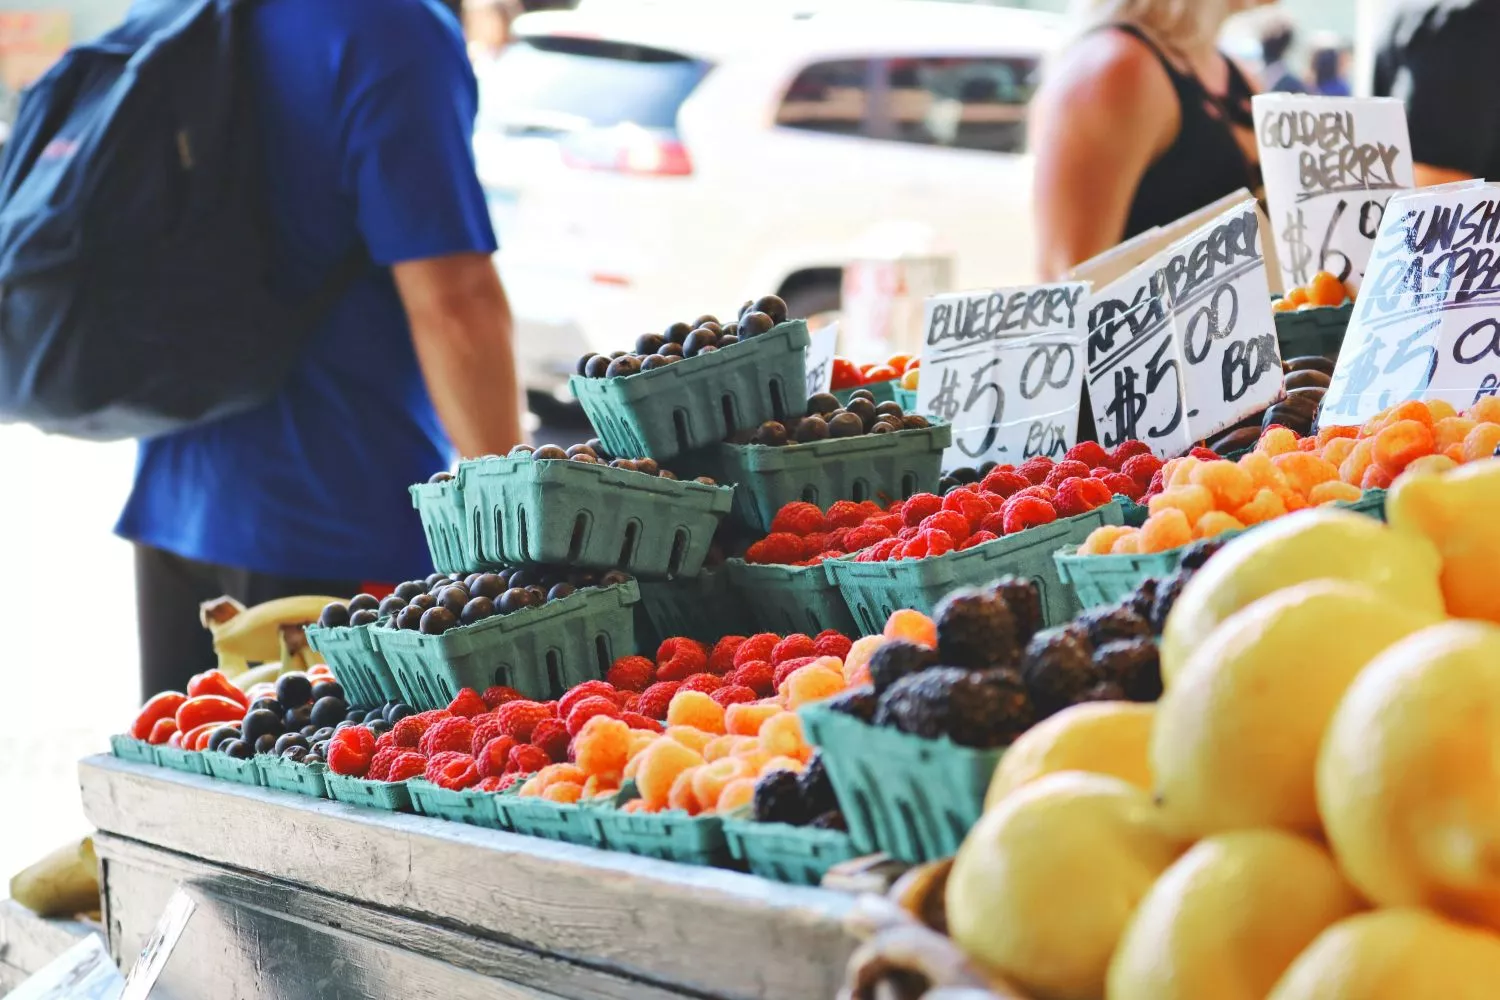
(1263, 471)
(691, 737)
(602, 746)
(1293, 501)
(640, 739)
(1455, 452)
(1178, 471)
(1167, 529)
(753, 755)
(554, 774)
(1326, 290)
(782, 735)
(1193, 501)
(1481, 442)
(1327, 434)
(1304, 471)
(1375, 424)
(1266, 506)
(736, 795)
(1295, 297)
(710, 780)
(1216, 522)
(1352, 469)
(1440, 409)
(1485, 411)
(857, 660)
(1333, 491)
(746, 719)
(1128, 544)
(680, 796)
(696, 709)
(563, 791)
(1276, 441)
(1101, 539)
(1307, 444)
(635, 806)
(913, 626)
(1412, 409)
(660, 766)
(601, 784)
(1281, 305)
(1231, 485)
(1400, 443)
(1451, 431)
(722, 746)
(792, 764)
(811, 683)
(1375, 478)
(1335, 451)
(1432, 465)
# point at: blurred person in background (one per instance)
(487, 29)
(1432, 55)
(1139, 121)
(1330, 68)
(1276, 40)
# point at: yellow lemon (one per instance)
(1309, 545)
(1409, 774)
(1236, 739)
(1101, 737)
(1043, 886)
(1395, 955)
(1227, 919)
(1455, 511)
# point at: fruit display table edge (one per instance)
(342, 902)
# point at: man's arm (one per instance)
(461, 325)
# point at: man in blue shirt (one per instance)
(367, 110)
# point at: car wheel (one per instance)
(819, 304)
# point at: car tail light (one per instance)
(627, 149)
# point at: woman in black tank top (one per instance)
(1139, 122)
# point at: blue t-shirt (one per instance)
(367, 111)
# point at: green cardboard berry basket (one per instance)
(535, 816)
(128, 747)
(286, 775)
(1108, 579)
(880, 467)
(227, 768)
(391, 796)
(874, 590)
(913, 798)
(541, 652)
(441, 506)
(356, 661)
(796, 855)
(788, 599)
(186, 761)
(1316, 331)
(469, 806)
(670, 836)
(703, 608)
(521, 510)
(905, 398)
(700, 401)
(884, 392)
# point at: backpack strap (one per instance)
(340, 280)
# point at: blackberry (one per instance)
(975, 708)
(831, 820)
(1116, 624)
(1143, 597)
(816, 789)
(859, 702)
(1103, 691)
(1167, 592)
(778, 799)
(1134, 664)
(897, 659)
(1058, 668)
(1025, 603)
(1199, 553)
(975, 629)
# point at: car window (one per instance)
(829, 97)
(960, 102)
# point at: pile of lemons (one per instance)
(1312, 810)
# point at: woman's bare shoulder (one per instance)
(1109, 70)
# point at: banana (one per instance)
(64, 883)
(243, 636)
(296, 654)
(266, 674)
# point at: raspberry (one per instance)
(734, 694)
(1141, 468)
(979, 538)
(707, 683)
(973, 507)
(920, 507)
(838, 539)
(453, 771)
(994, 524)
(831, 643)
(786, 668)
(757, 647)
(799, 518)
(586, 709)
(885, 550)
(552, 738)
(721, 660)
(1123, 485)
(468, 704)
(866, 535)
(496, 696)
(1036, 470)
(907, 534)
(518, 718)
(678, 659)
(636, 720)
(1090, 453)
(493, 756)
(780, 549)
(891, 522)
(793, 646)
(485, 729)
(350, 751)
(954, 525)
(1063, 471)
(814, 543)
(1204, 454)
(385, 741)
(454, 734)
(1157, 485)
(928, 543)
(846, 514)
(656, 699)
(508, 780)
(1027, 512)
(1099, 472)
(627, 700)
(491, 785)
(407, 765)
(588, 689)
(1044, 493)
(1071, 499)
(408, 732)
(380, 764)
(757, 675)
(526, 759)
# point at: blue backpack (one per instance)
(135, 252)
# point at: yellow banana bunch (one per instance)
(243, 636)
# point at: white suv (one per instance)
(652, 162)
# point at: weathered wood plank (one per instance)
(702, 930)
(28, 942)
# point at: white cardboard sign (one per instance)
(1426, 324)
(820, 352)
(1330, 165)
(1005, 368)
(1183, 344)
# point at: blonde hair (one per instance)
(1180, 24)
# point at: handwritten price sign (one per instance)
(1330, 164)
(1427, 322)
(1184, 344)
(1005, 368)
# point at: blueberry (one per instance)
(295, 754)
(285, 742)
(363, 602)
(477, 611)
(453, 600)
(329, 711)
(513, 600)
(298, 717)
(260, 722)
(293, 690)
(269, 704)
(222, 735)
(334, 615)
(410, 618)
(364, 616)
(374, 715)
(327, 689)
(560, 591)
(398, 711)
(392, 605)
(436, 621)
(597, 367)
(238, 749)
(408, 590)
(488, 585)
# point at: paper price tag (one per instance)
(1005, 368)
(1330, 164)
(1427, 322)
(820, 354)
(1184, 344)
